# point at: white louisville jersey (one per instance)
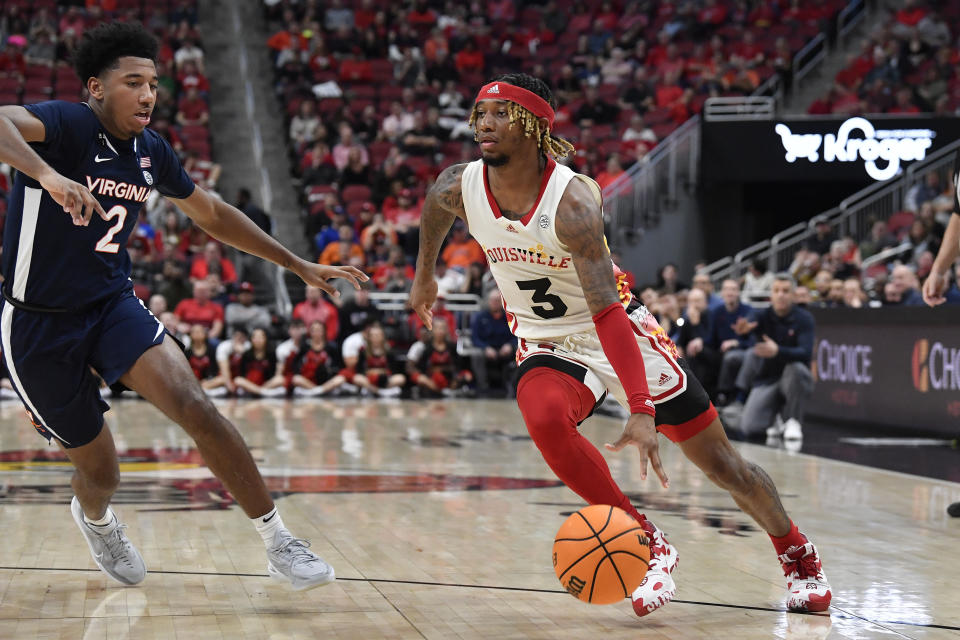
(541, 292)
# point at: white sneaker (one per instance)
(776, 429)
(273, 392)
(658, 587)
(792, 430)
(216, 392)
(807, 586)
(291, 561)
(111, 549)
(389, 392)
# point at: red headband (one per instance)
(499, 90)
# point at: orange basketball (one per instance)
(601, 554)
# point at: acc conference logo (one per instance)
(177, 479)
(935, 366)
(891, 146)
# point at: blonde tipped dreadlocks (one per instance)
(553, 146)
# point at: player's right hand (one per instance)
(423, 294)
(933, 288)
(75, 198)
(641, 431)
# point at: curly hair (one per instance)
(103, 45)
(554, 146)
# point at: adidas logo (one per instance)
(494, 89)
(511, 229)
(664, 378)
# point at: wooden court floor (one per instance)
(439, 519)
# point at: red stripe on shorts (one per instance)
(690, 428)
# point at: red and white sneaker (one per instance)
(658, 587)
(807, 587)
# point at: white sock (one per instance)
(107, 519)
(267, 525)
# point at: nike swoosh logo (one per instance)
(159, 331)
(270, 517)
(99, 159)
(99, 557)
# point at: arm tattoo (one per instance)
(443, 204)
(580, 228)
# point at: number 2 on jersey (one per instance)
(106, 244)
(539, 287)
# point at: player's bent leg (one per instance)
(553, 404)
(755, 493)
(163, 376)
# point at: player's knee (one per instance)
(546, 409)
(196, 413)
(103, 479)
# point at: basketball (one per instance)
(601, 554)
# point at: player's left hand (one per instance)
(317, 275)
(767, 348)
(641, 431)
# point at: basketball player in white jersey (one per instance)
(541, 228)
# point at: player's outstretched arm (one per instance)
(580, 227)
(228, 224)
(19, 127)
(936, 283)
(443, 205)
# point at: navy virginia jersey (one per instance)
(49, 262)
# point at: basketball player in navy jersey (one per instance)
(581, 334)
(935, 286)
(84, 171)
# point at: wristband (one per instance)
(619, 343)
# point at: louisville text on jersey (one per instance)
(114, 189)
(532, 256)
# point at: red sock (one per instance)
(552, 404)
(793, 539)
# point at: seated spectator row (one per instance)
(909, 65)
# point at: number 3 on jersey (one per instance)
(539, 287)
(106, 244)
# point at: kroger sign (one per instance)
(880, 150)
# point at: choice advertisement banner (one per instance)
(898, 367)
(819, 149)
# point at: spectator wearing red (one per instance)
(258, 368)
(316, 309)
(440, 367)
(192, 109)
(377, 369)
(12, 62)
(904, 102)
(200, 309)
(612, 171)
(749, 50)
(712, 13)
(469, 59)
(311, 371)
(191, 78)
(396, 274)
(422, 17)
(213, 261)
(462, 250)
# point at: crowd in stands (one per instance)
(910, 64)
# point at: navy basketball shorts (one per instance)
(50, 356)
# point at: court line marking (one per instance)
(425, 583)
